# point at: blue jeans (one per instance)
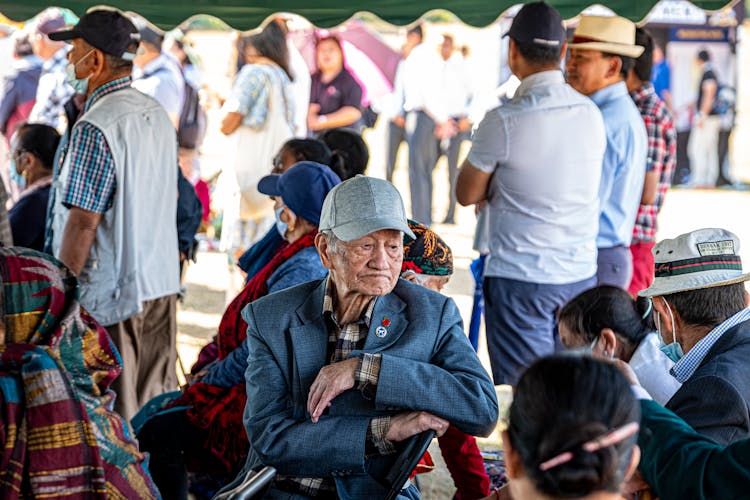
(521, 322)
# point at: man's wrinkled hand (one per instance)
(405, 425)
(330, 382)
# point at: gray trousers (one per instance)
(423, 154)
(396, 135)
(614, 267)
(454, 148)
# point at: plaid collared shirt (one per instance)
(91, 182)
(53, 91)
(662, 154)
(342, 341)
(686, 366)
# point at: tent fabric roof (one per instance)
(248, 14)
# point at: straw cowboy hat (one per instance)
(705, 258)
(612, 34)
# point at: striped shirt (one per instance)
(92, 184)
(686, 366)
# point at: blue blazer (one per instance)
(427, 364)
(715, 400)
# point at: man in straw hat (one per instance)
(601, 55)
(537, 160)
(700, 301)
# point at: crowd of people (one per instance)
(627, 356)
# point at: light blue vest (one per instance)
(135, 256)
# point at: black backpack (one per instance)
(192, 126)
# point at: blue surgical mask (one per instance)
(80, 85)
(19, 179)
(673, 350)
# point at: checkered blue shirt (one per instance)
(685, 367)
(91, 184)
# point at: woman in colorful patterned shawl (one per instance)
(59, 435)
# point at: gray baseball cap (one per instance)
(362, 205)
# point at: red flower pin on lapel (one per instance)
(386, 322)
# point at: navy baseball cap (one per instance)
(302, 188)
(105, 29)
(538, 23)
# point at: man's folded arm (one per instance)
(294, 446)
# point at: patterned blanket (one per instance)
(59, 435)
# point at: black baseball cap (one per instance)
(538, 23)
(105, 29)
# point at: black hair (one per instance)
(271, 43)
(309, 150)
(645, 61)
(560, 403)
(349, 153)
(537, 54)
(22, 46)
(416, 30)
(708, 306)
(39, 140)
(704, 56)
(611, 307)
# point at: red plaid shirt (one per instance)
(662, 152)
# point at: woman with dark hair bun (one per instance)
(349, 153)
(572, 431)
(605, 321)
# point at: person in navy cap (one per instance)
(208, 433)
(536, 161)
(112, 221)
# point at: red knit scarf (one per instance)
(219, 410)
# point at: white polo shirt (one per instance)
(545, 149)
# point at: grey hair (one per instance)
(333, 241)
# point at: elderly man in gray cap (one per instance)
(343, 369)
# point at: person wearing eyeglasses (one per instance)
(32, 154)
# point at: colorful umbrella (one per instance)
(368, 58)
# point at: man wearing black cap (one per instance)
(157, 74)
(113, 223)
(537, 162)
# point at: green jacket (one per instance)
(679, 463)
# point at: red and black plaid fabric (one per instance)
(662, 153)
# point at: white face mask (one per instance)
(80, 85)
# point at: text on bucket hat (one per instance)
(302, 188)
(362, 205)
(105, 29)
(538, 23)
(704, 258)
(609, 34)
